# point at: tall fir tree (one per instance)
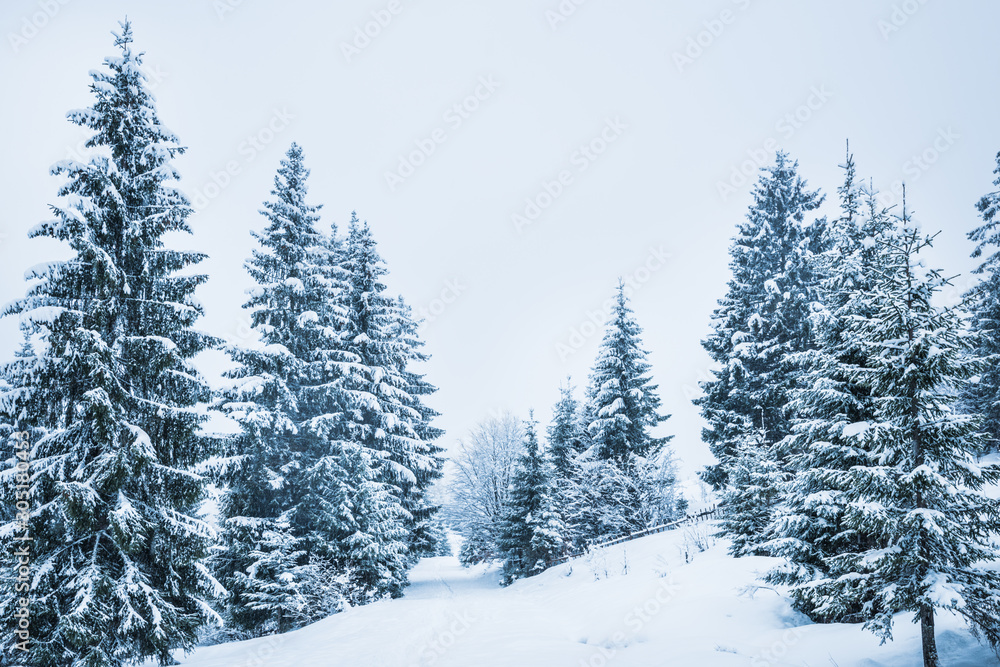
(332, 406)
(564, 436)
(831, 409)
(763, 317)
(117, 548)
(428, 458)
(983, 397)
(283, 513)
(533, 535)
(565, 444)
(624, 473)
(917, 491)
(624, 400)
(386, 412)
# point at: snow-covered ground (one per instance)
(638, 604)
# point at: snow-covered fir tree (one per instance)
(624, 400)
(763, 317)
(428, 459)
(625, 474)
(375, 542)
(607, 501)
(565, 436)
(385, 411)
(748, 500)
(566, 442)
(533, 535)
(16, 438)
(916, 491)
(829, 407)
(336, 448)
(983, 397)
(286, 486)
(332, 405)
(117, 549)
(438, 531)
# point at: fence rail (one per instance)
(704, 515)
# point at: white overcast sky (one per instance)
(687, 91)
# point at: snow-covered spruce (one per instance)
(108, 393)
(915, 491)
(385, 409)
(625, 481)
(625, 402)
(983, 397)
(285, 485)
(567, 440)
(752, 492)
(335, 451)
(830, 410)
(763, 317)
(565, 435)
(532, 536)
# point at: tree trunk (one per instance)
(927, 640)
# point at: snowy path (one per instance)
(445, 578)
(637, 604)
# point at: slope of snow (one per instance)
(653, 601)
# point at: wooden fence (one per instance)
(704, 515)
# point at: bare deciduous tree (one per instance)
(484, 464)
